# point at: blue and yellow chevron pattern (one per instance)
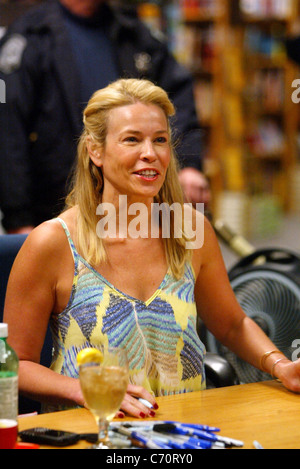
(164, 351)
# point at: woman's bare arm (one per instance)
(223, 316)
(37, 287)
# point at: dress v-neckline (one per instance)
(120, 292)
(75, 254)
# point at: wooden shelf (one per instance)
(247, 83)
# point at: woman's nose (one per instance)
(148, 151)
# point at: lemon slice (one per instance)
(89, 354)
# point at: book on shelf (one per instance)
(201, 9)
(265, 44)
(232, 165)
(204, 99)
(264, 9)
(194, 47)
(266, 139)
(265, 91)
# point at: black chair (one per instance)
(9, 248)
(219, 372)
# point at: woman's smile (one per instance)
(147, 174)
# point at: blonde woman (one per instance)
(137, 291)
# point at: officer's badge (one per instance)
(11, 53)
(142, 62)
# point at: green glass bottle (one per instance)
(9, 366)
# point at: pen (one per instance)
(193, 445)
(146, 403)
(192, 430)
(162, 423)
(187, 442)
(194, 425)
(134, 437)
(177, 428)
(149, 442)
(137, 439)
(178, 441)
(257, 445)
(154, 443)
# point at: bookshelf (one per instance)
(243, 86)
(269, 114)
(196, 32)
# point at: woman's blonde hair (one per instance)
(87, 184)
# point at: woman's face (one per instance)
(137, 152)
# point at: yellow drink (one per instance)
(103, 388)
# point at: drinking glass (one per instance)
(104, 386)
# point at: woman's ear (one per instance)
(94, 151)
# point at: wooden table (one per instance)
(265, 412)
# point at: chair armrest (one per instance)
(219, 372)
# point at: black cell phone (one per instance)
(46, 436)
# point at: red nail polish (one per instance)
(151, 413)
(142, 415)
(155, 406)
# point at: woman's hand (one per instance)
(133, 407)
(130, 405)
(288, 373)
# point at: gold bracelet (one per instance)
(275, 363)
(265, 356)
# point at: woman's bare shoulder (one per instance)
(47, 241)
(38, 262)
(45, 236)
(207, 245)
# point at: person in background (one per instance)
(292, 42)
(52, 59)
(124, 288)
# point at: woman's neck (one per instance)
(126, 217)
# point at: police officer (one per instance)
(52, 59)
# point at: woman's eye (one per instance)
(131, 139)
(161, 140)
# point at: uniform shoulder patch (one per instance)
(11, 53)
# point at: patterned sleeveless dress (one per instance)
(164, 350)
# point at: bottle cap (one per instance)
(3, 330)
(22, 445)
